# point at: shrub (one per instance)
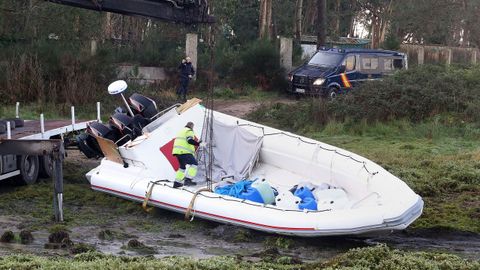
(259, 65)
(415, 94)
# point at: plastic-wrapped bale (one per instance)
(331, 199)
(286, 200)
(265, 191)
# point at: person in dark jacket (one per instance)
(186, 74)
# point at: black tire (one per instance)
(29, 167)
(46, 167)
(332, 92)
(18, 122)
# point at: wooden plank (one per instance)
(109, 150)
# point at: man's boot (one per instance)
(177, 184)
(189, 182)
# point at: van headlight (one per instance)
(319, 81)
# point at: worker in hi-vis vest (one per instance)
(184, 150)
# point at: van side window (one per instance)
(369, 63)
(387, 65)
(398, 63)
(350, 63)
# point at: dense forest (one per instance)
(55, 53)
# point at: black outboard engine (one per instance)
(129, 127)
(87, 143)
(143, 105)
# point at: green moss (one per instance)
(379, 257)
(81, 248)
(279, 242)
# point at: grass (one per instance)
(439, 159)
(82, 205)
(378, 257)
(444, 170)
(243, 93)
(88, 111)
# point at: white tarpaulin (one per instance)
(235, 152)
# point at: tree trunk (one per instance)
(265, 19)
(298, 20)
(375, 31)
(321, 23)
(107, 27)
(269, 19)
(337, 17)
(353, 9)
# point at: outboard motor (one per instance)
(88, 146)
(87, 143)
(143, 105)
(129, 127)
(97, 129)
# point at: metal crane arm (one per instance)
(182, 11)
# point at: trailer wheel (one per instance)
(18, 122)
(29, 167)
(46, 167)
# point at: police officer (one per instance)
(184, 150)
(186, 74)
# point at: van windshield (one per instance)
(326, 59)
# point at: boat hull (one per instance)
(378, 201)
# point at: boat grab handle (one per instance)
(124, 136)
(164, 110)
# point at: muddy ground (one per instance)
(100, 222)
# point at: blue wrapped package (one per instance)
(303, 193)
(251, 194)
(242, 190)
(234, 190)
(308, 203)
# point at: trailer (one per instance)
(26, 167)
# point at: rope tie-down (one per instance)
(188, 213)
(148, 195)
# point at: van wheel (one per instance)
(332, 92)
(29, 167)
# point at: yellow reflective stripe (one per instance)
(180, 175)
(183, 148)
(192, 171)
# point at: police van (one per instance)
(333, 71)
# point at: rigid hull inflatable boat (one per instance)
(349, 194)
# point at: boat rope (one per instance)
(207, 134)
(192, 202)
(233, 199)
(148, 194)
(335, 151)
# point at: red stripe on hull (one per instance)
(206, 213)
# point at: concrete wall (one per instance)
(141, 75)
(419, 54)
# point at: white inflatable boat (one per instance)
(353, 195)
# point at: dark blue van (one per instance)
(333, 71)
